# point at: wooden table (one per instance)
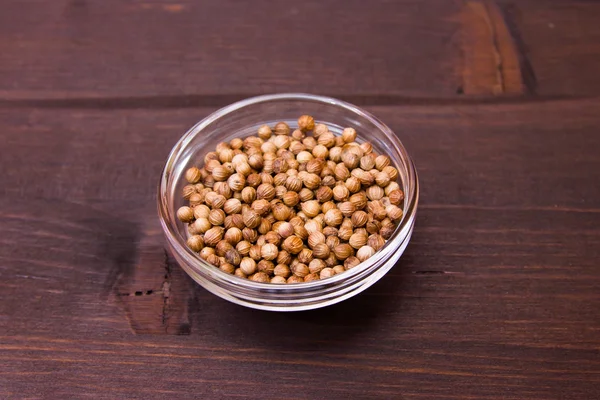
(497, 296)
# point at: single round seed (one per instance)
(333, 217)
(300, 270)
(193, 175)
(351, 262)
(396, 197)
(281, 128)
(293, 244)
(343, 251)
(222, 247)
(376, 241)
(340, 193)
(349, 135)
(320, 129)
(195, 243)
(326, 273)
(232, 206)
(185, 214)
(315, 238)
(269, 252)
(338, 269)
(216, 217)
(391, 171)
(201, 211)
(374, 193)
(278, 280)
(282, 270)
(311, 208)
(381, 162)
(260, 277)
(213, 236)
(359, 218)
(265, 266)
(357, 240)
(306, 123)
(321, 250)
(316, 265)
(248, 266)
(233, 235)
(364, 253)
(251, 219)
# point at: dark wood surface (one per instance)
(496, 297)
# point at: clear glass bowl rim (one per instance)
(166, 214)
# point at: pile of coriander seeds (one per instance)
(289, 207)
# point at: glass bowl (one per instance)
(243, 119)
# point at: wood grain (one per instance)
(491, 59)
(496, 297)
(86, 49)
(559, 42)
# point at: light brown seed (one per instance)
(347, 208)
(306, 194)
(353, 184)
(201, 225)
(293, 244)
(278, 280)
(391, 171)
(396, 197)
(306, 123)
(343, 251)
(300, 270)
(285, 230)
(281, 128)
(357, 240)
(243, 247)
(291, 199)
(321, 250)
(359, 200)
(349, 135)
(201, 211)
(222, 247)
(326, 273)
(260, 277)
(282, 270)
(232, 206)
(213, 236)
(374, 193)
(376, 241)
(193, 175)
(265, 191)
(195, 243)
(185, 214)
(320, 129)
(311, 208)
(326, 139)
(341, 193)
(365, 253)
(315, 238)
(394, 212)
(269, 251)
(381, 162)
(281, 212)
(338, 269)
(233, 235)
(351, 262)
(320, 151)
(316, 265)
(359, 218)
(216, 217)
